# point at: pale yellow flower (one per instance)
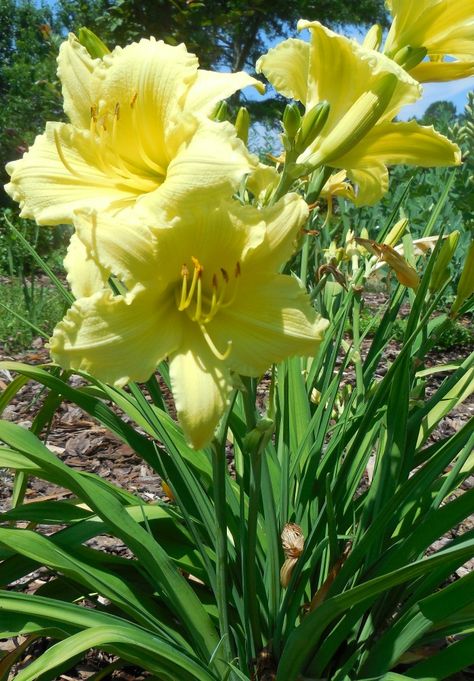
(444, 28)
(204, 291)
(139, 134)
(365, 90)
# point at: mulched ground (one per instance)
(82, 443)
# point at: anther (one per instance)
(117, 110)
(237, 269)
(214, 281)
(184, 270)
(133, 100)
(225, 275)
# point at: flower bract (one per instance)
(365, 90)
(139, 134)
(203, 291)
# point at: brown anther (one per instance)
(94, 113)
(133, 100)
(117, 110)
(237, 269)
(197, 266)
(184, 270)
(225, 275)
(214, 280)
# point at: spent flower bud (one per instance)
(440, 274)
(313, 122)
(242, 124)
(291, 120)
(93, 44)
(292, 541)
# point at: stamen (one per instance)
(198, 311)
(64, 161)
(220, 355)
(196, 276)
(237, 269)
(184, 287)
(225, 275)
(133, 100)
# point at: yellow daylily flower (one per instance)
(204, 292)
(139, 134)
(365, 91)
(443, 28)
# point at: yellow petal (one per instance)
(126, 249)
(201, 388)
(271, 319)
(334, 59)
(75, 69)
(408, 143)
(84, 275)
(62, 172)
(262, 180)
(442, 27)
(146, 83)
(211, 87)
(283, 222)
(116, 339)
(371, 184)
(212, 163)
(286, 67)
(441, 71)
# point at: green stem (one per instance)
(219, 469)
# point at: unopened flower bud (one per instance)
(440, 273)
(373, 38)
(242, 124)
(291, 120)
(466, 281)
(409, 57)
(92, 43)
(292, 541)
(259, 435)
(356, 122)
(313, 122)
(396, 233)
(220, 112)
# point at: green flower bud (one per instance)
(314, 121)
(440, 273)
(466, 281)
(257, 438)
(373, 38)
(409, 57)
(242, 124)
(220, 112)
(396, 233)
(92, 43)
(291, 120)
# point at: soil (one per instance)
(82, 443)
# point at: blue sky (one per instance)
(455, 91)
